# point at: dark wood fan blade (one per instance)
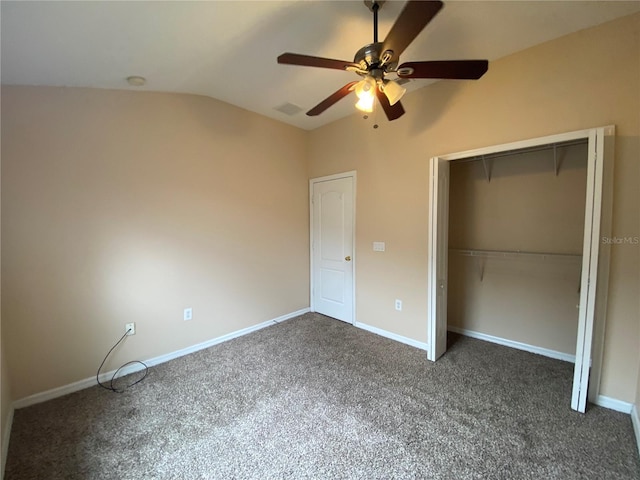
(453, 69)
(331, 99)
(413, 18)
(309, 61)
(392, 111)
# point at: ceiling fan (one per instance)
(378, 59)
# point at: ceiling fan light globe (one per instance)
(365, 103)
(393, 91)
(365, 87)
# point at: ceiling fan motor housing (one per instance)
(368, 55)
(371, 57)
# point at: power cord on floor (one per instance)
(110, 386)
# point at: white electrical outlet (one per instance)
(398, 305)
(130, 328)
(188, 314)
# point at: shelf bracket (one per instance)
(558, 157)
(487, 168)
(481, 263)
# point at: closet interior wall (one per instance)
(516, 226)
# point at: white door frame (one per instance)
(590, 259)
(351, 174)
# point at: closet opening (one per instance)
(516, 221)
(514, 248)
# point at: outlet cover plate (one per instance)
(130, 326)
(188, 314)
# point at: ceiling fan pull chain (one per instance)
(375, 116)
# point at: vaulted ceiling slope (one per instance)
(228, 50)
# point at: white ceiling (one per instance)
(228, 49)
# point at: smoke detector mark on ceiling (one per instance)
(289, 109)
(136, 81)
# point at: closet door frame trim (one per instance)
(595, 259)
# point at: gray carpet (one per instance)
(316, 398)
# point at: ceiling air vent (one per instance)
(289, 109)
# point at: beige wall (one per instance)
(587, 79)
(524, 207)
(129, 207)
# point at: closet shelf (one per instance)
(514, 254)
(487, 160)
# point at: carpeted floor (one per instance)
(316, 398)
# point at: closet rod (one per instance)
(513, 254)
(548, 146)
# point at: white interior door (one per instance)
(332, 252)
(438, 257)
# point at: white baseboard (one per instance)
(392, 336)
(91, 381)
(513, 344)
(635, 419)
(6, 437)
(612, 404)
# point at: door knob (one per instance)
(347, 258)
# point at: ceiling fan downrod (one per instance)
(369, 57)
(375, 8)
